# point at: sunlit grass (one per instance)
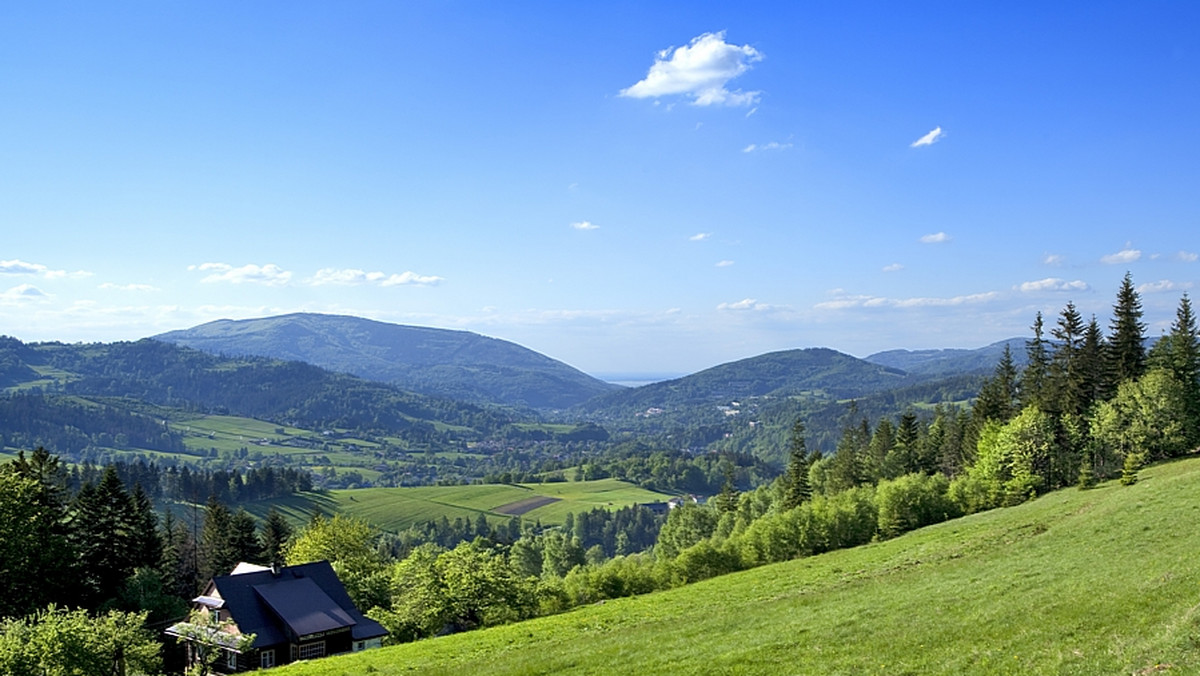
(1077, 582)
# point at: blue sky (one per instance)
(628, 187)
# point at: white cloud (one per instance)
(585, 225)
(773, 145)
(894, 267)
(22, 293)
(109, 286)
(743, 305)
(724, 264)
(700, 237)
(269, 274)
(19, 267)
(1126, 255)
(849, 301)
(1054, 259)
(1163, 285)
(928, 139)
(699, 70)
(935, 238)
(1053, 284)
(752, 111)
(354, 277)
(1187, 256)
(409, 277)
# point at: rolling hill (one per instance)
(951, 361)
(1076, 582)
(816, 372)
(455, 364)
(394, 509)
(80, 386)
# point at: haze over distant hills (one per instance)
(456, 364)
(951, 361)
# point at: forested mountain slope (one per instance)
(455, 364)
(819, 372)
(162, 374)
(1075, 582)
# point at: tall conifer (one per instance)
(1127, 351)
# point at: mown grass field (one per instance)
(395, 509)
(1105, 581)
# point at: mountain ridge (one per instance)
(442, 362)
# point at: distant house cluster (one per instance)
(668, 505)
(294, 612)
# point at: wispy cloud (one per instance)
(354, 277)
(585, 225)
(109, 286)
(22, 293)
(928, 139)
(269, 274)
(894, 267)
(724, 264)
(1054, 259)
(699, 70)
(1052, 284)
(20, 267)
(844, 301)
(935, 238)
(1162, 286)
(1187, 256)
(773, 145)
(1126, 255)
(700, 237)
(743, 305)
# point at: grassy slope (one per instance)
(394, 509)
(1097, 582)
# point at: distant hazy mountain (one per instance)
(951, 361)
(820, 372)
(457, 364)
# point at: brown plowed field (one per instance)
(527, 505)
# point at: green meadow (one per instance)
(1105, 581)
(395, 509)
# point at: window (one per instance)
(311, 650)
(266, 659)
(231, 659)
(359, 645)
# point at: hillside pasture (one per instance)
(1103, 581)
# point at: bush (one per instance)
(913, 501)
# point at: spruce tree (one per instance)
(1096, 386)
(1179, 353)
(102, 530)
(218, 554)
(1037, 371)
(796, 488)
(275, 533)
(1065, 373)
(1127, 351)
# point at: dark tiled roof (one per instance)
(306, 599)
